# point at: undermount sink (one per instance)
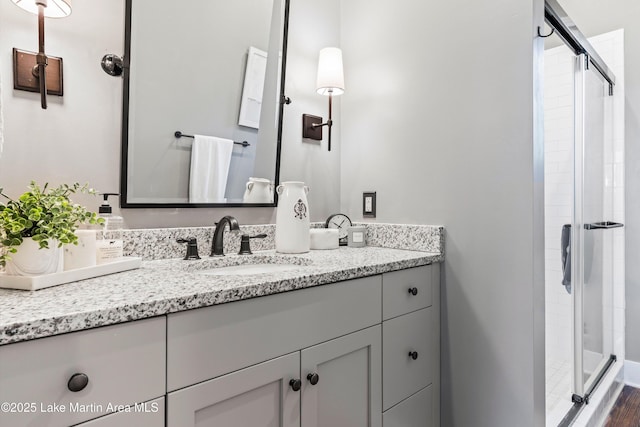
(246, 265)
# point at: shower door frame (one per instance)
(582, 388)
(565, 28)
(577, 258)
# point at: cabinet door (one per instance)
(258, 396)
(348, 388)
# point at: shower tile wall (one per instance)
(559, 199)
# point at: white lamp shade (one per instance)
(330, 74)
(53, 8)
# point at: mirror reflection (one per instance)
(202, 104)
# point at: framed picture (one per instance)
(254, 75)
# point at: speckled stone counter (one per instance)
(166, 286)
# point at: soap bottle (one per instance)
(109, 243)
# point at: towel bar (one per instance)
(179, 134)
(603, 225)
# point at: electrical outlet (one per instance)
(369, 204)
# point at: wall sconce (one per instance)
(330, 83)
(33, 78)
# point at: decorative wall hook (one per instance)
(545, 36)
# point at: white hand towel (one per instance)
(210, 160)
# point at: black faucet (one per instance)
(217, 248)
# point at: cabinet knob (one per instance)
(313, 378)
(413, 291)
(296, 385)
(413, 355)
(77, 382)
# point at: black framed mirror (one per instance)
(203, 94)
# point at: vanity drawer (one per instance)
(124, 364)
(416, 411)
(208, 342)
(399, 287)
(402, 375)
(147, 414)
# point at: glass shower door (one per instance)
(592, 259)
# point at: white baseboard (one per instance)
(632, 373)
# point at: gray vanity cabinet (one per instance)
(338, 384)
(411, 347)
(236, 361)
(356, 353)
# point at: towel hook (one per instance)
(545, 36)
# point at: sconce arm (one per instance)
(319, 125)
(41, 58)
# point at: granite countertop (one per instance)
(171, 285)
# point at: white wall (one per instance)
(438, 120)
(78, 137)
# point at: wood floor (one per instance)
(626, 411)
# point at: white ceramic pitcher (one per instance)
(258, 190)
(292, 218)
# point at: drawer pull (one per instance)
(413, 291)
(413, 355)
(313, 378)
(77, 382)
(296, 385)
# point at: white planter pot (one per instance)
(292, 218)
(30, 260)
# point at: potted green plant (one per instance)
(34, 227)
